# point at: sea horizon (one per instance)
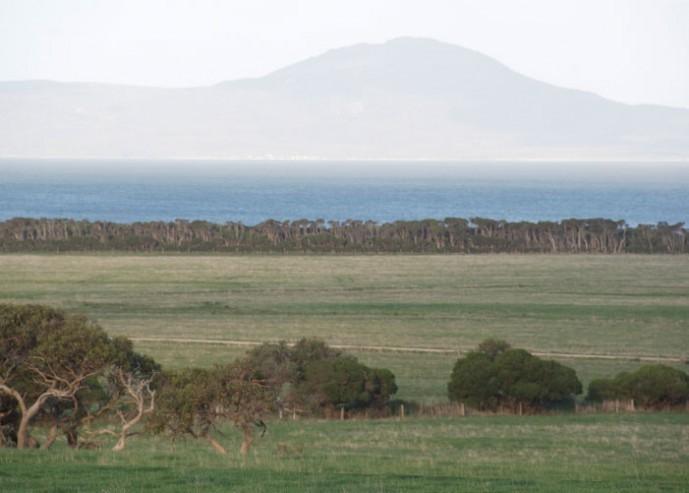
(252, 191)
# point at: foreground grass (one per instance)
(593, 453)
(620, 305)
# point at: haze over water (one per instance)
(251, 192)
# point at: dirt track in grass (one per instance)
(402, 349)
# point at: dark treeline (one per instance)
(451, 235)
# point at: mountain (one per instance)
(405, 99)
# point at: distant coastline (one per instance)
(251, 192)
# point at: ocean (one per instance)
(253, 191)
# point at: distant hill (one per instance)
(407, 98)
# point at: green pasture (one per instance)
(627, 305)
(587, 453)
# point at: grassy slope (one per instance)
(624, 305)
(551, 453)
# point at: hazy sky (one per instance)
(628, 50)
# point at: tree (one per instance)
(381, 386)
(474, 381)
(602, 389)
(183, 403)
(45, 355)
(651, 386)
(194, 401)
(479, 235)
(242, 398)
(130, 383)
(275, 364)
(138, 400)
(19, 330)
(656, 386)
(496, 375)
(308, 350)
(123, 389)
(69, 416)
(529, 380)
(313, 376)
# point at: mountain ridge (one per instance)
(408, 98)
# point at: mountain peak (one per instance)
(404, 64)
(413, 40)
(406, 98)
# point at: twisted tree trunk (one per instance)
(139, 391)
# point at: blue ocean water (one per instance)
(252, 191)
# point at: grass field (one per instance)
(619, 305)
(587, 453)
(624, 306)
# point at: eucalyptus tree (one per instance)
(45, 355)
(195, 402)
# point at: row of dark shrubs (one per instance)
(449, 235)
(64, 372)
(497, 376)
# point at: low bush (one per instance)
(317, 379)
(496, 375)
(651, 386)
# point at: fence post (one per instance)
(462, 411)
(401, 411)
(342, 413)
(520, 408)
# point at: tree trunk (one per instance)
(72, 437)
(28, 413)
(121, 443)
(218, 448)
(137, 392)
(248, 440)
(52, 436)
(23, 432)
(124, 432)
(23, 439)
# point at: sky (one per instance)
(634, 51)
